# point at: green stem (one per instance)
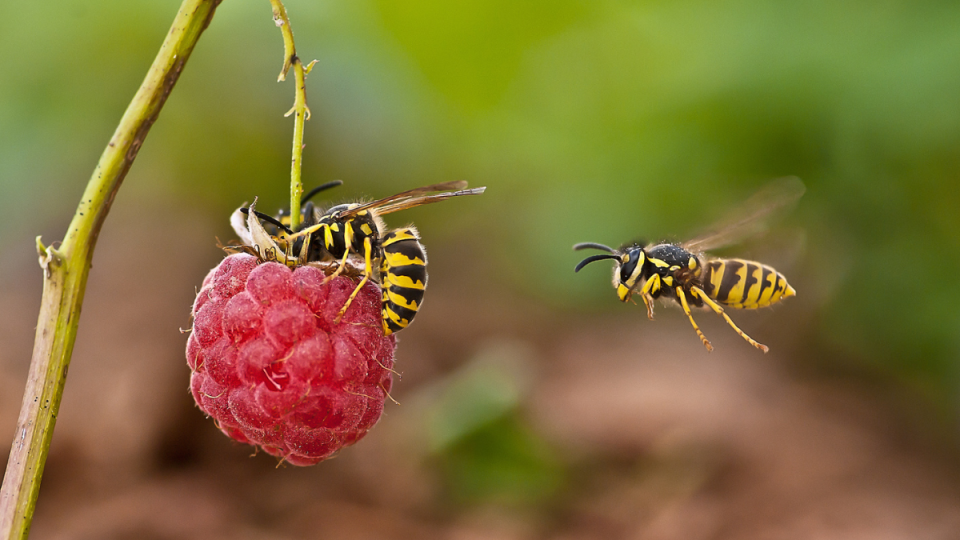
(300, 109)
(66, 270)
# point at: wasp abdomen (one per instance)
(745, 284)
(403, 276)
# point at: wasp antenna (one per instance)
(593, 245)
(594, 258)
(269, 219)
(313, 192)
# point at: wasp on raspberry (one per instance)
(685, 274)
(393, 258)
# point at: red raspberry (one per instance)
(272, 367)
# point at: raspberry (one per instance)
(274, 369)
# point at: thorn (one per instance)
(48, 256)
(308, 67)
(41, 249)
(284, 70)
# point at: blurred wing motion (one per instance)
(413, 197)
(749, 218)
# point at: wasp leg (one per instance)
(304, 250)
(367, 272)
(347, 242)
(651, 287)
(340, 267)
(686, 309)
(698, 292)
(648, 301)
(308, 231)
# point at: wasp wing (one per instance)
(410, 193)
(396, 206)
(749, 217)
(414, 197)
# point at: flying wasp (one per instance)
(395, 259)
(685, 274)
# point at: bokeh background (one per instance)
(532, 403)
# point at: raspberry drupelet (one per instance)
(275, 368)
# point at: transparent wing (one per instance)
(749, 218)
(414, 197)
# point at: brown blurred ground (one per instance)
(662, 440)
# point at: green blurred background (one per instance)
(597, 121)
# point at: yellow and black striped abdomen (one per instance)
(745, 284)
(403, 278)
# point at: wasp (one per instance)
(682, 272)
(395, 259)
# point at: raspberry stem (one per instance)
(66, 270)
(300, 110)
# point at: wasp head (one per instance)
(631, 261)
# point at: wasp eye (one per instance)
(629, 264)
